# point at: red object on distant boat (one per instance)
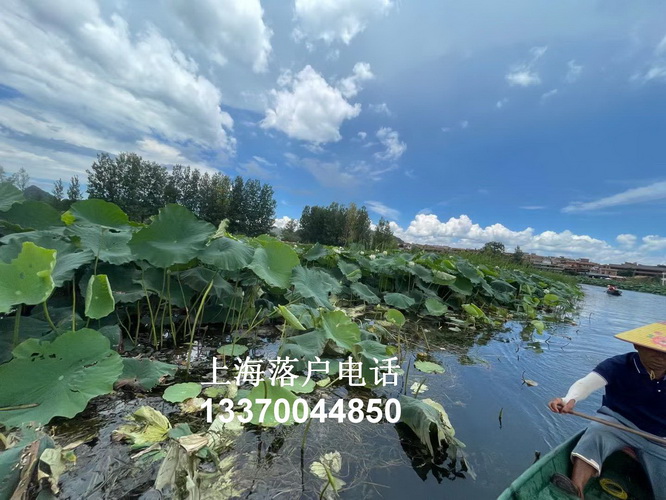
(613, 292)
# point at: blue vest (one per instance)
(632, 394)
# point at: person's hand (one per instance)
(557, 405)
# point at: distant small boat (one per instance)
(613, 292)
(621, 477)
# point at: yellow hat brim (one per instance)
(652, 336)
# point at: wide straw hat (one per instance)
(651, 336)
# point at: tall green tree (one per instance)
(493, 247)
(74, 189)
(58, 190)
(237, 207)
(383, 236)
(290, 231)
(21, 179)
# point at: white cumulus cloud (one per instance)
(394, 148)
(310, 109)
(336, 20)
(626, 240)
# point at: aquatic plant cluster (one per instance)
(80, 288)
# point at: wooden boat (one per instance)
(621, 477)
(613, 292)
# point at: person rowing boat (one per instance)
(635, 396)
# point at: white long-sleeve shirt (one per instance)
(584, 387)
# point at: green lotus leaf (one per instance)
(110, 245)
(364, 293)
(68, 260)
(304, 347)
(125, 282)
(273, 262)
(289, 317)
(502, 286)
(428, 367)
(394, 316)
(550, 299)
(315, 284)
(175, 236)
(97, 213)
(442, 278)
(425, 416)
(316, 252)
(180, 392)
(9, 194)
(340, 329)
(399, 300)
(99, 298)
(28, 278)
(469, 271)
(300, 385)
(462, 286)
(538, 325)
(58, 378)
(420, 271)
(30, 328)
(232, 350)
(227, 254)
(371, 354)
(31, 215)
(474, 311)
(351, 271)
(198, 279)
(435, 307)
(145, 373)
(154, 281)
(275, 393)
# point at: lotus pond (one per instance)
(109, 329)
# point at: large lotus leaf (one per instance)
(315, 284)
(9, 194)
(110, 245)
(97, 212)
(227, 254)
(399, 300)
(316, 252)
(462, 286)
(351, 271)
(435, 307)
(474, 311)
(275, 393)
(364, 293)
(442, 278)
(57, 379)
(304, 347)
(125, 282)
(30, 328)
(371, 354)
(469, 271)
(175, 236)
(396, 317)
(155, 281)
(428, 367)
(99, 298)
(68, 260)
(145, 373)
(27, 279)
(340, 329)
(420, 271)
(198, 279)
(425, 416)
(31, 215)
(273, 262)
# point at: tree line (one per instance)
(339, 225)
(142, 187)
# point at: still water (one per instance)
(473, 395)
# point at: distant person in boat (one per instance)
(635, 396)
(612, 288)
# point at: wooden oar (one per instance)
(621, 427)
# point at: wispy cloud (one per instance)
(533, 207)
(653, 192)
(523, 74)
(573, 72)
(381, 209)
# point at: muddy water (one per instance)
(484, 375)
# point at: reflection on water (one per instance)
(473, 395)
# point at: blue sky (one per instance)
(529, 122)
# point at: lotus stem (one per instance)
(150, 310)
(194, 326)
(17, 323)
(74, 304)
(48, 317)
(171, 324)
